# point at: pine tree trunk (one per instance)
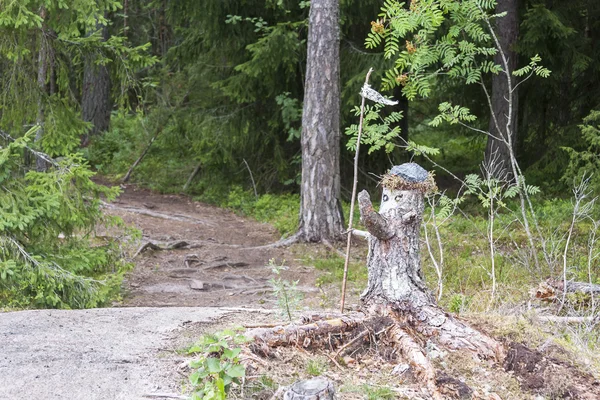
(497, 155)
(95, 99)
(40, 163)
(320, 211)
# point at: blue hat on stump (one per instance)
(409, 176)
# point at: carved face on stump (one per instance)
(399, 202)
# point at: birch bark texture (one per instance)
(320, 208)
(394, 260)
(503, 124)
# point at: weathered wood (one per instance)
(192, 176)
(396, 298)
(303, 335)
(312, 389)
(417, 359)
(575, 287)
(394, 261)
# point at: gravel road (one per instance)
(104, 354)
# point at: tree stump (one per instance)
(396, 295)
(313, 389)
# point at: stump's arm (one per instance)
(374, 222)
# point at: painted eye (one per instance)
(385, 197)
(398, 197)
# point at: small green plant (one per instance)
(378, 393)
(218, 365)
(458, 303)
(286, 292)
(316, 367)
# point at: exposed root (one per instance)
(414, 354)
(153, 246)
(280, 243)
(155, 214)
(448, 331)
(305, 336)
(404, 331)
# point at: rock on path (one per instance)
(104, 354)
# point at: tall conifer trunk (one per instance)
(320, 211)
(95, 99)
(497, 155)
(40, 164)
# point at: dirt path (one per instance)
(170, 297)
(219, 264)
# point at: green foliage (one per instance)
(49, 256)
(218, 365)
(279, 210)
(64, 34)
(452, 114)
(316, 367)
(533, 69)
(458, 303)
(288, 297)
(378, 132)
(378, 393)
(586, 162)
(113, 152)
(461, 51)
(490, 190)
(332, 267)
(291, 114)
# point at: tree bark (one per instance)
(40, 163)
(396, 287)
(320, 211)
(497, 152)
(95, 99)
(394, 260)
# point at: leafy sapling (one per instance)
(218, 366)
(288, 296)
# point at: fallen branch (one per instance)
(141, 157)
(350, 343)
(192, 176)
(164, 396)
(361, 234)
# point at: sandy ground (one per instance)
(118, 353)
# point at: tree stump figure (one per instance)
(313, 389)
(396, 294)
